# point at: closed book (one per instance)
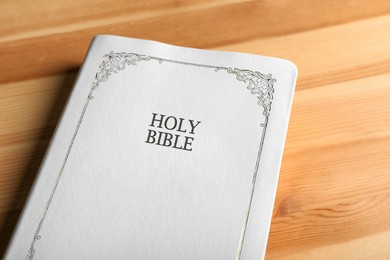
(162, 152)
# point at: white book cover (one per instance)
(162, 152)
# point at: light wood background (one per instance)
(333, 199)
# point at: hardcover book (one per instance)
(162, 152)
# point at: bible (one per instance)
(162, 152)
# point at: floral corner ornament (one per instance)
(259, 84)
(113, 62)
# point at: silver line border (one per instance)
(261, 85)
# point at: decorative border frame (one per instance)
(261, 85)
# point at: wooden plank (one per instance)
(367, 247)
(333, 198)
(334, 185)
(226, 24)
(321, 54)
(70, 15)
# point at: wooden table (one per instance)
(333, 199)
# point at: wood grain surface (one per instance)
(333, 199)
